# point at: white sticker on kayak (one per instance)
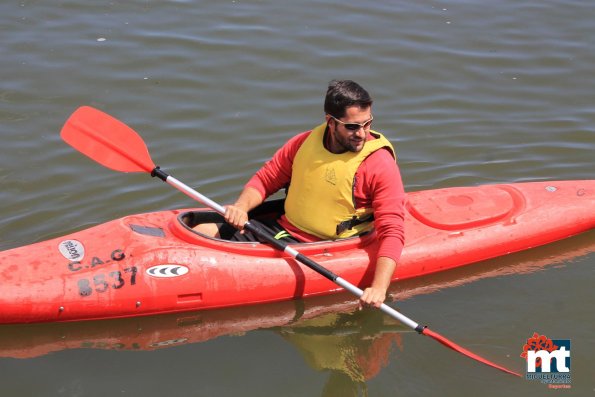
(167, 271)
(72, 250)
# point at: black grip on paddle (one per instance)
(157, 172)
(316, 267)
(281, 245)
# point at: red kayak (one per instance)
(155, 263)
(149, 333)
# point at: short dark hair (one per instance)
(344, 93)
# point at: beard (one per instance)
(351, 143)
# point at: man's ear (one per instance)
(328, 118)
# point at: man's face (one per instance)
(347, 137)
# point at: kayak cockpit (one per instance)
(185, 222)
(268, 210)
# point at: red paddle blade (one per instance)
(106, 140)
(464, 351)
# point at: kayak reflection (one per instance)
(163, 331)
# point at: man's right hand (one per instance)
(236, 216)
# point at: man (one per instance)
(343, 180)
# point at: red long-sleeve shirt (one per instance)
(377, 185)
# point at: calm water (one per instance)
(469, 92)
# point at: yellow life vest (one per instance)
(320, 196)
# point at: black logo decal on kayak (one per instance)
(167, 271)
(72, 250)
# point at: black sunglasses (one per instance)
(355, 126)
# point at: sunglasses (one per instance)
(354, 126)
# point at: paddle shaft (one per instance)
(187, 190)
(283, 246)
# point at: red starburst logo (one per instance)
(538, 342)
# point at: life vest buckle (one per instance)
(351, 223)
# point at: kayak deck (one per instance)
(154, 263)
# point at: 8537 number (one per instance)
(102, 282)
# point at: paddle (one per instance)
(113, 144)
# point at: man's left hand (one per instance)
(373, 297)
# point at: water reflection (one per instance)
(352, 347)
